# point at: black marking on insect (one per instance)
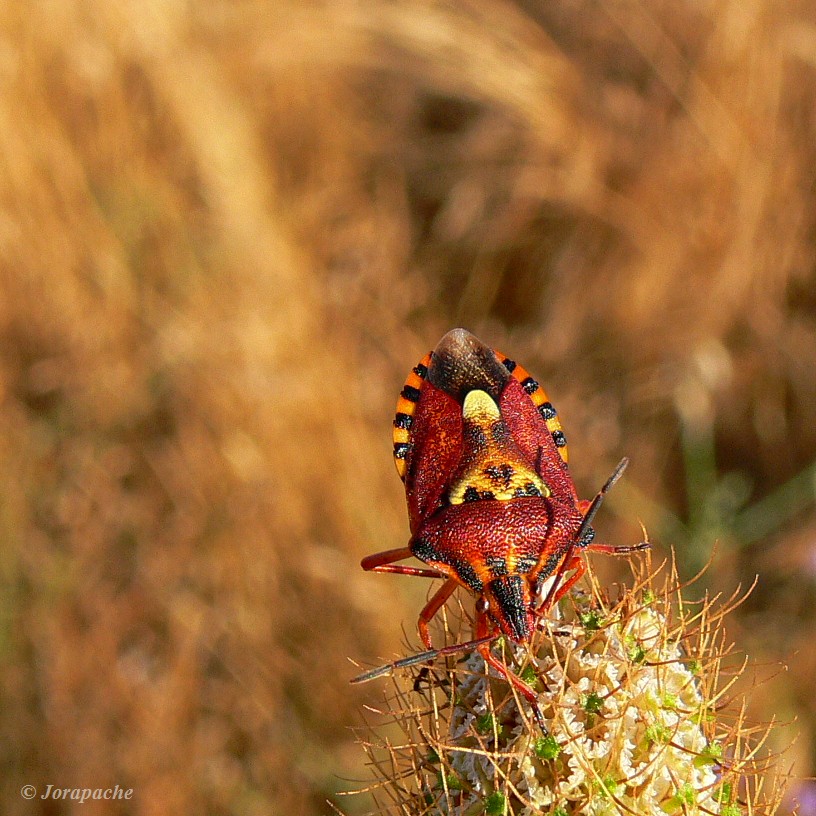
(468, 574)
(497, 565)
(471, 494)
(587, 538)
(508, 592)
(424, 550)
(529, 489)
(500, 474)
(403, 421)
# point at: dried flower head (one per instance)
(635, 694)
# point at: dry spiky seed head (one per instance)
(633, 691)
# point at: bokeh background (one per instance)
(229, 229)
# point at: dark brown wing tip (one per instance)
(462, 363)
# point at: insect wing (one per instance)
(436, 446)
(536, 440)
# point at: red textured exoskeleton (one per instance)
(491, 503)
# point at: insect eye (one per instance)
(482, 605)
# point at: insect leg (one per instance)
(432, 607)
(611, 549)
(383, 562)
(483, 627)
(559, 590)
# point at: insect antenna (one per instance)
(422, 657)
(598, 500)
(584, 534)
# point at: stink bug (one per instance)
(491, 503)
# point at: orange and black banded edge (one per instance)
(406, 405)
(541, 401)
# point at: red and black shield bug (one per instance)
(491, 503)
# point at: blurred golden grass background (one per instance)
(228, 230)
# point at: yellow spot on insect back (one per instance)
(480, 408)
(492, 465)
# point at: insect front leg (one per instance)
(573, 561)
(432, 607)
(484, 627)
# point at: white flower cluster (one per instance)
(624, 714)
